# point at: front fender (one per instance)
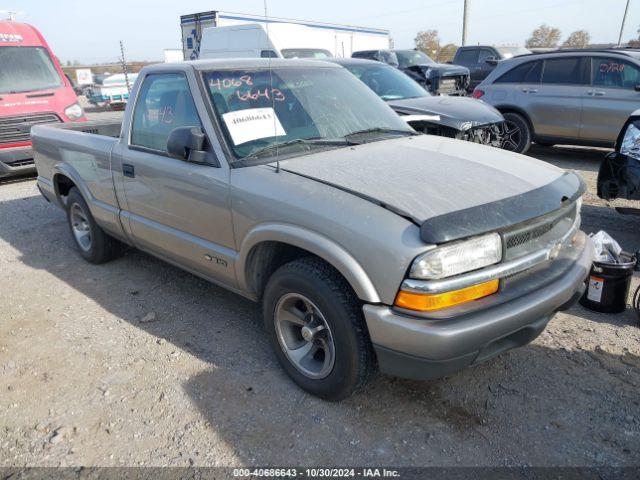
(313, 242)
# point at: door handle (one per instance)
(596, 93)
(530, 90)
(128, 170)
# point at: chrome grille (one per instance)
(539, 232)
(17, 129)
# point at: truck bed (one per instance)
(82, 153)
(107, 128)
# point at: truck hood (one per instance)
(427, 179)
(461, 113)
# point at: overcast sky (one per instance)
(90, 31)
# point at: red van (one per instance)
(33, 90)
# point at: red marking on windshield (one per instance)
(611, 67)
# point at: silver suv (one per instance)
(579, 97)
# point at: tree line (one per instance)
(544, 36)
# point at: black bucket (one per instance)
(608, 285)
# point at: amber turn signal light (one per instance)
(427, 302)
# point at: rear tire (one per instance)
(94, 244)
(317, 330)
(516, 134)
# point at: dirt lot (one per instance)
(85, 382)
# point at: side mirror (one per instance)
(491, 60)
(187, 143)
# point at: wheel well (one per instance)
(62, 185)
(266, 257)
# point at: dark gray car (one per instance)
(446, 116)
(578, 97)
(437, 78)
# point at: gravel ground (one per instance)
(85, 381)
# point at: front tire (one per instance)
(316, 327)
(516, 134)
(94, 244)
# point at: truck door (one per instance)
(612, 96)
(176, 209)
(483, 68)
(468, 57)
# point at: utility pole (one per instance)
(464, 22)
(624, 19)
(124, 67)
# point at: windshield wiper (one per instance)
(298, 141)
(382, 130)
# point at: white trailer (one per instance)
(283, 33)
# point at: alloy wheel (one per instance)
(80, 227)
(304, 335)
(511, 136)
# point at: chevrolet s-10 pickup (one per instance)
(370, 246)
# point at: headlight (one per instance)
(459, 257)
(74, 112)
(631, 142)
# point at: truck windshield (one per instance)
(411, 58)
(389, 83)
(27, 69)
(301, 109)
(305, 53)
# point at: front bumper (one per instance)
(422, 348)
(16, 161)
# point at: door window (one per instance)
(467, 57)
(484, 54)
(528, 72)
(614, 73)
(164, 103)
(268, 54)
(566, 71)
